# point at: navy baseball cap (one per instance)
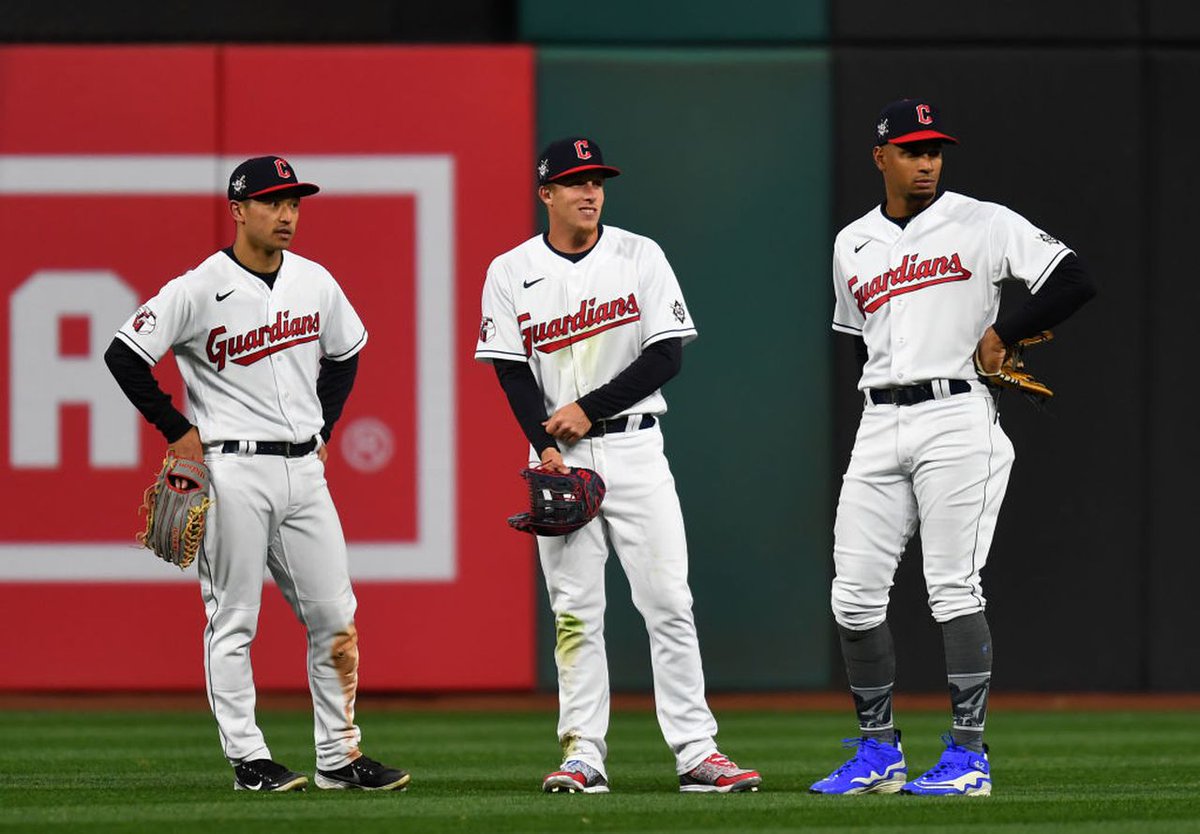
(263, 175)
(910, 120)
(571, 155)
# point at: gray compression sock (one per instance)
(871, 668)
(968, 642)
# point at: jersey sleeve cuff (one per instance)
(487, 355)
(136, 348)
(346, 354)
(685, 334)
(1062, 253)
(847, 328)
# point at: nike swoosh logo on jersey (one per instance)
(528, 284)
(221, 297)
(860, 246)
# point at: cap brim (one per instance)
(608, 170)
(922, 136)
(299, 189)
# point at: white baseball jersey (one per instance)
(249, 354)
(580, 324)
(940, 274)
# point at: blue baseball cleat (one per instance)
(960, 772)
(877, 767)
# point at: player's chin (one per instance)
(924, 188)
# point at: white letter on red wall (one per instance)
(41, 381)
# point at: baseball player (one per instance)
(917, 283)
(584, 324)
(267, 345)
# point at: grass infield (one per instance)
(161, 771)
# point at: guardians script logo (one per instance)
(911, 275)
(260, 342)
(592, 318)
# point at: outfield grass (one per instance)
(480, 772)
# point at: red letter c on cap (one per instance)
(581, 149)
(282, 167)
(923, 115)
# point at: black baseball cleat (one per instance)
(267, 776)
(363, 774)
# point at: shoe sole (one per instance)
(327, 784)
(297, 784)
(982, 789)
(746, 785)
(882, 787)
(565, 784)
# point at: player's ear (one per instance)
(235, 210)
(545, 193)
(877, 153)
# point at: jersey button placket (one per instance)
(282, 395)
(572, 292)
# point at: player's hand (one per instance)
(322, 449)
(188, 446)
(552, 460)
(990, 352)
(568, 424)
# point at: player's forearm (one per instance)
(525, 400)
(334, 382)
(138, 382)
(1067, 289)
(657, 364)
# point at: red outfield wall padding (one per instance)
(112, 167)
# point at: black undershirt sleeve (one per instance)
(650, 371)
(1067, 289)
(525, 400)
(334, 381)
(656, 365)
(860, 352)
(138, 382)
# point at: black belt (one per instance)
(913, 394)
(284, 448)
(603, 427)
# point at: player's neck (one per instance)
(901, 206)
(256, 259)
(572, 241)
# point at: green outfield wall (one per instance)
(674, 21)
(724, 154)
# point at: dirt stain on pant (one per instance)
(345, 661)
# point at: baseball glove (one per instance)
(1012, 373)
(175, 506)
(559, 504)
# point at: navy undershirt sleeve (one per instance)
(138, 382)
(656, 365)
(525, 400)
(334, 381)
(1067, 289)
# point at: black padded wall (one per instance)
(1057, 135)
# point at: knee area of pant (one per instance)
(949, 602)
(328, 617)
(859, 619)
(343, 649)
(946, 612)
